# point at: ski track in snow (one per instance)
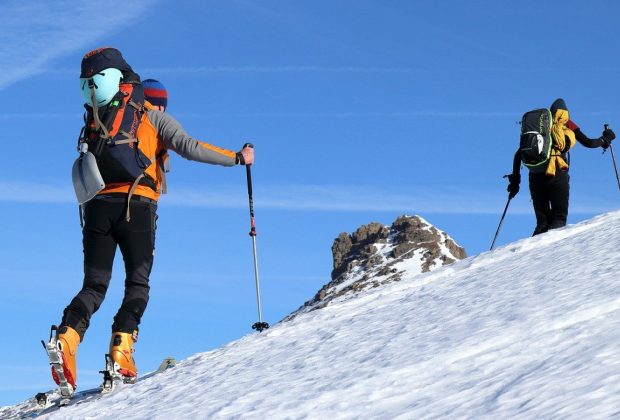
(530, 330)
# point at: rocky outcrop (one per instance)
(376, 254)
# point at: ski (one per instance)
(46, 402)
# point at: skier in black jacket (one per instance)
(550, 189)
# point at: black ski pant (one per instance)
(105, 228)
(550, 200)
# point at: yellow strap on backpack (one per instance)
(560, 133)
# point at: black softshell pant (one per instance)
(550, 200)
(105, 228)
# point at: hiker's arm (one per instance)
(582, 138)
(514, 179)
(516, 163)
(175, 138)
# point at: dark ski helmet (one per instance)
(101, 72)
(103, 58)
(558, 104)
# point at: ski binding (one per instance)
(55, 357)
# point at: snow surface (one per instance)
(530, 330)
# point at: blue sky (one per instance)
(360, 111)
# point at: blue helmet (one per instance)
(105, 85)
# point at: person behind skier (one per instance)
(155, 93)
(550, 189)
(123, 214)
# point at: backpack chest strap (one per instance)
(125, 141)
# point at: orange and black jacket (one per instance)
(159, 132)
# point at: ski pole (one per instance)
(613, 158)
(500, 223)
(260, 325)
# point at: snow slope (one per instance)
(530, 330)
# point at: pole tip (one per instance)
(260, 326)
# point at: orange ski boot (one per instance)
(121, 352)
(67, 341)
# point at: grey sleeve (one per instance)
(175, 138)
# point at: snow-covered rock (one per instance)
(376, 254)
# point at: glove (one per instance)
(513, 186)
(246, 155)
(607, 137)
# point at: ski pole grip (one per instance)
(248, 174)
(606, 126)
(251, 146)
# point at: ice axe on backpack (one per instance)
(613, 158)
(260, 325)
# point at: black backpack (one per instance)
(536, 140)
(115, 146)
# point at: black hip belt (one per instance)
(122, 198)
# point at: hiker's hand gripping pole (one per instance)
(260, 325)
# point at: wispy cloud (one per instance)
(253, 70)
(30, 192)
(36, 116)
(310, 115)
(280, 69)
(354, 69)
(347, 198)
(357, 114)
(284, 115)
(34, 33)
(331, 198)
